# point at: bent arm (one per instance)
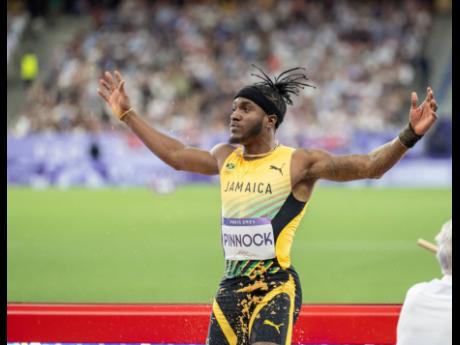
(322, 165)
(318, 164)
(172, 151)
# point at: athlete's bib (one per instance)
(248, 238)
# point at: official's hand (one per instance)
(113, 92)
(423, 116)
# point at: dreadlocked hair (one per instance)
(279, 89)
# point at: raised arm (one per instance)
(171, 151)
(317, 164)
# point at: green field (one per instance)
(355, 245)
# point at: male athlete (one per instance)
(265, 187)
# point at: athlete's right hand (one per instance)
(113, 92)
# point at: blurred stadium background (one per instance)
(94, 217)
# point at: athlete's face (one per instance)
(247, 121)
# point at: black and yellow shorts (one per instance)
(247, 311)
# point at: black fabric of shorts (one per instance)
(247, 311)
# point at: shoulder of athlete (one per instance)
(303, 160)
(221, 151)
(302, 180)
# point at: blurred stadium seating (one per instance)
(15, 25)
(183, 61)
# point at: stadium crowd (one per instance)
(15, 24)
(183, 61)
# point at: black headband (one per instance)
(252, 93)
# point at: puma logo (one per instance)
(277, 327)
(279, 169)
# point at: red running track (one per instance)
(187, 324)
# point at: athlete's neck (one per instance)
(260, 149)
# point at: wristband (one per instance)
(408, 137)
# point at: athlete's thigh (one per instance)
(274, 322)
(273, 319)
(216, 335)
(228, 323)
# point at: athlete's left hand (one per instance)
(423, 116)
